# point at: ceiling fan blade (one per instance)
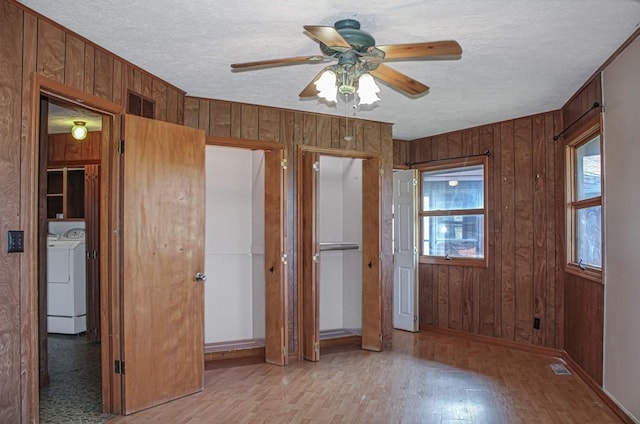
(399, 80)
(433, 50)
(276, 62)
(327, 35)
(310, 90)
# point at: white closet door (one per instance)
(405, 263)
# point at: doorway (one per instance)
(245, 292)
(348, 297)
(68, 271)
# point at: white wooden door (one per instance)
(405, 248)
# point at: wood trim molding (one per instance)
(596, 388)
(327, 151)
(29, 282)
(245, 143)
(542, 350)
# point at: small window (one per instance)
(584, 203)
(453, 212)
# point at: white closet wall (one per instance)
(229, 245)
(340, 220)
(352, 232)
(257, 243)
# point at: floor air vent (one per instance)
(560, 369)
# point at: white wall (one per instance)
(340, 219)
(229, 243)
(257, 243)
(621, 91)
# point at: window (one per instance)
(453, 220)
(584, 203)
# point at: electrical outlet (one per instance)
(15, 241)
(536, 323)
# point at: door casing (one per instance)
(308, 246)
(30, 170)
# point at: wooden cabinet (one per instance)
(65, 193)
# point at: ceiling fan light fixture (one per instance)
(79, 130)
(367, 90)
(326, 86)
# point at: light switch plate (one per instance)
(15, 241)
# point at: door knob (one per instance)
(200, 277)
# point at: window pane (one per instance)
(456, 236)
(589, 236)
(454, 188)
(588, 172)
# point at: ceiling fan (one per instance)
(357, 54)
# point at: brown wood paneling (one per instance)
(63, 149)
(249, 122)
(371, 134)
(74, 62)
(508, 229)
(89, 69)
(324, 131)
(10, 130)
(539, 228)
(520, 281)
(191, 112)
(578, 105)
(269, 124)
(172, 106)
(203, 116)
(584, 317)
(523, 197)
(103, 85)
(51, 51)
(159, 96)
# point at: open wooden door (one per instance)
(371, 301)
(276, 332)
(405, 250)
(162, 250)
(309, 259)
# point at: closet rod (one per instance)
(339, 246)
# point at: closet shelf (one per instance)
(341, 245)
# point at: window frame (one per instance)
(484, 211)
(585, 135)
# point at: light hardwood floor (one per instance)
(427, 377)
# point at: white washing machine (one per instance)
(66, 283)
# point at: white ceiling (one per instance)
(519, 56)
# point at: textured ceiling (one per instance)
(519, 56)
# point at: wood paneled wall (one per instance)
(64, 149)
(524, 279)
(584, 298)
(244, 121)
(32, 44)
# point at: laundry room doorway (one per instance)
(69, 330)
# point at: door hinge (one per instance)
(381, 171)
(415, 318)
(415, 182)
(316, 347)
(283, 163)
(380, 338)
(316, 166)
(118, 366)
(283, 258)
(120, 146)
(316, 258)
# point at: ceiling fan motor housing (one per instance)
(350, 30)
